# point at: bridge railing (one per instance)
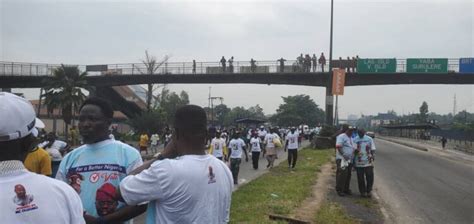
(290, 66)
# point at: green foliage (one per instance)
(64, 91)
(296, 110)
(423, 116)
(253, 202)
(150, 122)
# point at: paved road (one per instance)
(423, 187)
(247, 173)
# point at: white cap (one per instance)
(17, 117)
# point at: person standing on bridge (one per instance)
(322, 61)
(253, 65)
(314, 60)
(231, 64)
(223, 61)
(344, 155)
(194, 66)
(282, 64)
(363, 162)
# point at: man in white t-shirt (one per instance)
(236, 147)
(28, 197)
(183, 184)
(344, 155)
(217, 147)
(292, 145)
(255, 148)
(154, 143)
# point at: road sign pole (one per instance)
(329, 96)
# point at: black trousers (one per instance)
(234, 168)
(343, 177)
(365, 178)
(292, 157)
(255, 157)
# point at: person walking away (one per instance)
(194, 66)
(261, 134)
(154, 141)
(183, 184)
(143, 143)
(28, 197)
(363, 162)
(307, 63)
(231, 64)
(218, 147)
(292, 145)
(256, 148)
(56, 149)
(270, 149)
(223, 61)
(167, 137)
(236, 147)
(443, 142)
(314, 60)
(344, 155)
(282, 64)
(322, 61)
(96, 169)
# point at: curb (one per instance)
(421, 148)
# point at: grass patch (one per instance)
(366, 202)
(278, 191)
(331, 212)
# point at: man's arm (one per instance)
(121, 215)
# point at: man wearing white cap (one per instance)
(28, 197)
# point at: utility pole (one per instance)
(212, 98)
(329, 96)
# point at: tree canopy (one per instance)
(296, 110)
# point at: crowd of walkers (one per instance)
(106, 181)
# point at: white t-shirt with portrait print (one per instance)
(255, 144)
(292, 139)
(236, 147)
(188, 189)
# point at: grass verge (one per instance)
(278, 191)
(333, 213)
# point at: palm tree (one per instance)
(64, 91)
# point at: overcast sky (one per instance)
(96, 32)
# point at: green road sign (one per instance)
(425, 65)
(377, 65)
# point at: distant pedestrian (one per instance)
(56, 149)
(253, 65)
(143, 143)
(348, 64)
(218, 147)
(363, 162)
(443, 142)
(270, 148)
(322, 61)
(236, 147)
(307, 63)
(282, 64)
(231, 64)
(223, 61)
(154, 141)
(344, 155)
(194, 66)
(292, 146)
(256, 148)
(314, 60)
